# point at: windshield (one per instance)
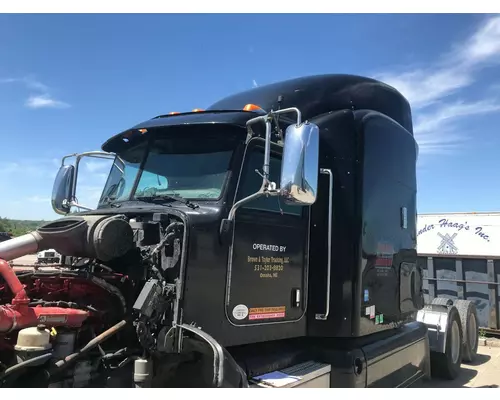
(181, 166)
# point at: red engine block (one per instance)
(16, 312)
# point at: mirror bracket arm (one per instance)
(73, 203)
(268, 119)
(227, 224)
(263, 192)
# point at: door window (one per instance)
(251, 182)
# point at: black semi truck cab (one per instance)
(283, 219)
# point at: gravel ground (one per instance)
(484, 372)
(28, 259)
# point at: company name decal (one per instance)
(446, 223)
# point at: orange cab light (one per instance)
(198, 110)
(251, 107)
(173, 113)
(143, 131)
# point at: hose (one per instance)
(110, 289)
(24, 364)
(169, 233)
(15, 285)
(64, 363)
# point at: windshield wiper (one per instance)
(161, 198)
(110, 201)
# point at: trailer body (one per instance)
(460, 260)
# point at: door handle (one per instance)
(324, 317)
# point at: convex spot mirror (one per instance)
(300, 166)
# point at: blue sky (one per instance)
(67, 82)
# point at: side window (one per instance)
(251, 182)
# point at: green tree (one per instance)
(19, 227)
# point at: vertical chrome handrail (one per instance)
(328, 172)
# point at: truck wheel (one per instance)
(468, 316)
(447, 365)
(442, 301)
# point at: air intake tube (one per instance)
(20, 246)
(91, 236)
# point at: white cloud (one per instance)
(423, 88)
(254, 83)
(33, 84)
(38, 199)
(449, 113)
(28, 168)
(98, 165)
(32, 201)
(436, 128)
(439, 132)
(89, 195)
(9, 167)
(484, 45)
(44, 101)
(29, 81)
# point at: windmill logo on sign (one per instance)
(447, 245)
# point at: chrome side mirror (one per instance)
(62, 189)
(299, 169)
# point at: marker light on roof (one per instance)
(252, 107)
(143, 131)
(173, 113)
(198, 110)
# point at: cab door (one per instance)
(267, 271)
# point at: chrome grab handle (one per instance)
(324, 317)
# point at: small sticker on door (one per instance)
(372, 312)
(267, 313)
(368, 310)
(381, 318)
(240, 312)
(366, 296)
(377, 320)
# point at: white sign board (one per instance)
(466, 234)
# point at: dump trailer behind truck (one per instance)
(273, 233)
(460, 259)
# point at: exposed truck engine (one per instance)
(117, 289)
(273, 232)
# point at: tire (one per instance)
(442, 301)
(468, 316)
(447, 365)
